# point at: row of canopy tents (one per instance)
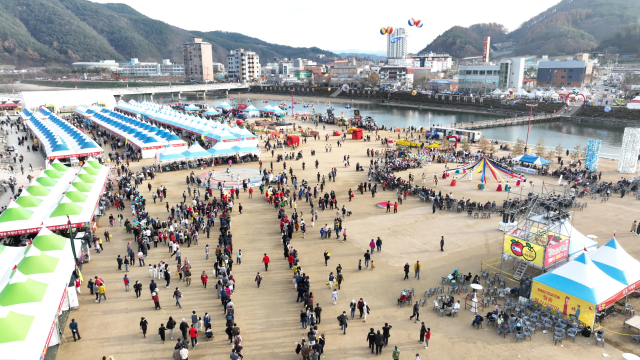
(146, 137)
(58, 192)
(246, 146)
(594, 281)
(59, 139)
(33, 292)
(532, 159)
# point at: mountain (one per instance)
(461, 42)
(58, 32)
(568, 27)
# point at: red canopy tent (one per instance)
(293, 139)
(356, 134)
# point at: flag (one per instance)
(585, 249)
(15, 267)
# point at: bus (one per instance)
(444, 132)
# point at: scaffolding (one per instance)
(535, 231)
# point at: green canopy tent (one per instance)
(40, 264)
(49, 242)
(89, 170)
(87, 178)
(15, 327)
(22, 292)
(53, 173)
(80, 186)
(38, 190)
(46, 181)
(28, 201)
(76, 196)
(15, 213)
(66, 208)
(59, 166)
(94, 164)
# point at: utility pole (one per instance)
(291, 103)
(526, 146)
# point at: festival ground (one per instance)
(269, 316)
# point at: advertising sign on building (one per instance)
(524, 250)
(486, 48)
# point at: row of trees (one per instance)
(487, 147)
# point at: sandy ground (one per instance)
(269, 316)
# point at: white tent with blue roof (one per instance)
(614, 261)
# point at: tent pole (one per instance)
(73, 245)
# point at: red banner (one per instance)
(556, 252)
(624, 292)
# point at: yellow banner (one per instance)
(523, 250)
(563, 302)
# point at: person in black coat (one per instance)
(379, 340)
(184, 327)
(153, 287)
(371, 337)
(171, 325)
(143, 326)
(406, 271)
(161, 331)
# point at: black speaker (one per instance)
(505, 217)
(525, 287)
(513, 216)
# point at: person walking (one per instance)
(73, 326)
(125, 279)
(416, 269)
(334, 296)
(156, 300)
(372, 246)
(143, 326)
(416, 312)
(184, 328)
(396, 354)
(379, 244)
(265, 261)
(386, 332)
(634, 226)
(171, 325)
(442, 243)
(367, 258)
(137, 287)
(120, 262)
(327, 256)
(177, 294)
(379, 339)
(258, 279)
(371, 338)
(406, 271)
(343, 322)
(303, 319)
(102, 293)
(161, 332)
(204, 278)
(193, 334)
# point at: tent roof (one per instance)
(530, 159)
(15, 327)
(28, 291)
(614, 261)
(39, 264)
(583, 279)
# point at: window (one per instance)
(482, 72)
(570, 70)
(555, 71)
(555, 77)
(562, 77)
(569, 83)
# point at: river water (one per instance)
(568, 134)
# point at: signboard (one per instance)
(622, 293)
(563, 302)
(526, 170)
(523, 250)
(556, 252)
(356, 112)
(242, 106)
(486, 48)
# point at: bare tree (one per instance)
(539, 149)
(518, 148)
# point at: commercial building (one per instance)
(564, 73)
(508, 74)
(345, 70)
(243, 65)
(198, 60)
(436, 61)
(136, 68)
(397, 44)
(396, 76)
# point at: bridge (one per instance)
(520, 120)
(177, 89)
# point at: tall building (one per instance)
(477, 78)
(243, 65)
(198, 60)
(564, 73)
(397, 44)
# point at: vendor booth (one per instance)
(356, 133)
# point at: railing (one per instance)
(520, 119)
(177, 88)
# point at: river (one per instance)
(568, 134)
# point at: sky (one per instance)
(332, 24)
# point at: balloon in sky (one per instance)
(389, 30)
(414, 92)
(607, 109)
(419, 23)
(345, 87)
(411, 22)
(415, 22)
(383, 31)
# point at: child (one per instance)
(360, 264)
(151, 270)
(334, 296)
(373, 266)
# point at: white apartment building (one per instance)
(243, 65)
(398, 48)
(396, 76)
(436, 61)
(136, 68)
(508, 74)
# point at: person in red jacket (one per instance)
(265, 260)
(290, 259)
(250, 193)
(204, 279)
(193, 333)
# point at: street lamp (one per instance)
(526, 146)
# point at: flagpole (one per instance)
(73, 245)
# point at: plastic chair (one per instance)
(442, 312)
(599, 337)
(436, 307)
(441, 288)
(520, 335)
(636, 338)
(557, 337)
(526, 333)
(503, 330)
(445, 279)
(454, 312)
(464, 288)
(572, 333)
